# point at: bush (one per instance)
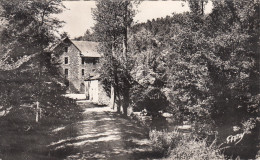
(164, 141)
(176, 145)
(190, 148)
(150, 98)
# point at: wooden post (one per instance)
(37, 109)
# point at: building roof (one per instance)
(87, 48)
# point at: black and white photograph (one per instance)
(129, 79)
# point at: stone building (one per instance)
(77, 62)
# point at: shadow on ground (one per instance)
(102, 134)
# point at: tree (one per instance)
(236, 45)
(88, 36)
(113, 19)
(30, 27)
(208, 66)
(146, 92)
(213, 69)
(197, 7)
(211, 61)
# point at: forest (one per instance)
(203, 69)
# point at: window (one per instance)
(66, 60)
(82, 72)
(66, 49)
(66, 72)
(82, 60)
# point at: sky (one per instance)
(78, 18)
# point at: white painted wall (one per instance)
(92, 90)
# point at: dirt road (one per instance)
(102, 134)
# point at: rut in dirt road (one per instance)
(103, 134)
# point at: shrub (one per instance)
(177, 145)
(164, 141)
(192, 149)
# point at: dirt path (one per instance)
(102, 134)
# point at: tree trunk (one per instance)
(126, 101)
(112, 97)
(125, 45)
(126, 90)
(125, 34)
(119, 104)
(117, 92)
(114, 83)
(202, 7)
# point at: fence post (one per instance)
(37, 109)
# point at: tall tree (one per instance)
(30, 26)
(113, 19)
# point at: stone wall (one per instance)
(73, 66)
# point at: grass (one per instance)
(176, 145)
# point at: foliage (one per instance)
(22, 87)
(29, 27)
(146, 92)
(151, 99)
(163, 141)
(197, 7)
(237, 64)
(110, 17)
(88, 36)
(208, 64)
(176, 145)
(190, 148)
